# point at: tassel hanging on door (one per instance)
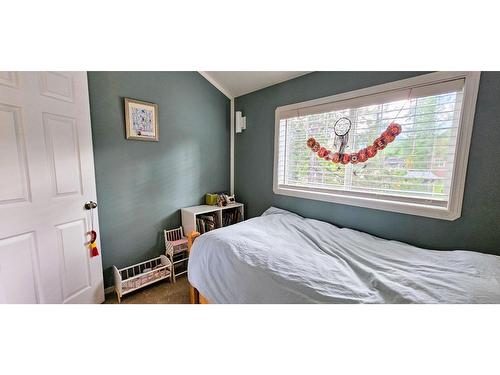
(93, 246)
(94, 251)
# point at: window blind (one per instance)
(418, 165)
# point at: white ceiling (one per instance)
(234, 84)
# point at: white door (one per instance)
(46, 176)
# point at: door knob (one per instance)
(90, 205)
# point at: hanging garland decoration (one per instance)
(342, 127)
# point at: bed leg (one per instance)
(194, 296)
(202, 300)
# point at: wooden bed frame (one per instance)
(195, 297)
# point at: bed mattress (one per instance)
(281, 257)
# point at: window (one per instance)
(421, 173)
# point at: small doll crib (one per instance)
(139, 275)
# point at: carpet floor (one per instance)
(161, 292)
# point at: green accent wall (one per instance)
(142, 185)
(479, 227)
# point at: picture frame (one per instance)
(141, 120)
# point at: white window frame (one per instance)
(453, 209)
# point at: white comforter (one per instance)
(281, 257)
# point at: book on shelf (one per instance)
(230, 217)
(206, 223)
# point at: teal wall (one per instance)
(479, 227)
(142, 185)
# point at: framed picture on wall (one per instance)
(141, 120)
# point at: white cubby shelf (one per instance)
(189, 214)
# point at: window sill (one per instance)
(372, 201)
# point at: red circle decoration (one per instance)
(336, 157)
(394, 129)
(380, 143)
(362, 156)
(345, 159)
(311, 142)
(322, 152)
(371, 151)
(388, 136)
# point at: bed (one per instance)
(281, 257)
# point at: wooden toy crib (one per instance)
(139, 275)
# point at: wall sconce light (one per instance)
(240, 122)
